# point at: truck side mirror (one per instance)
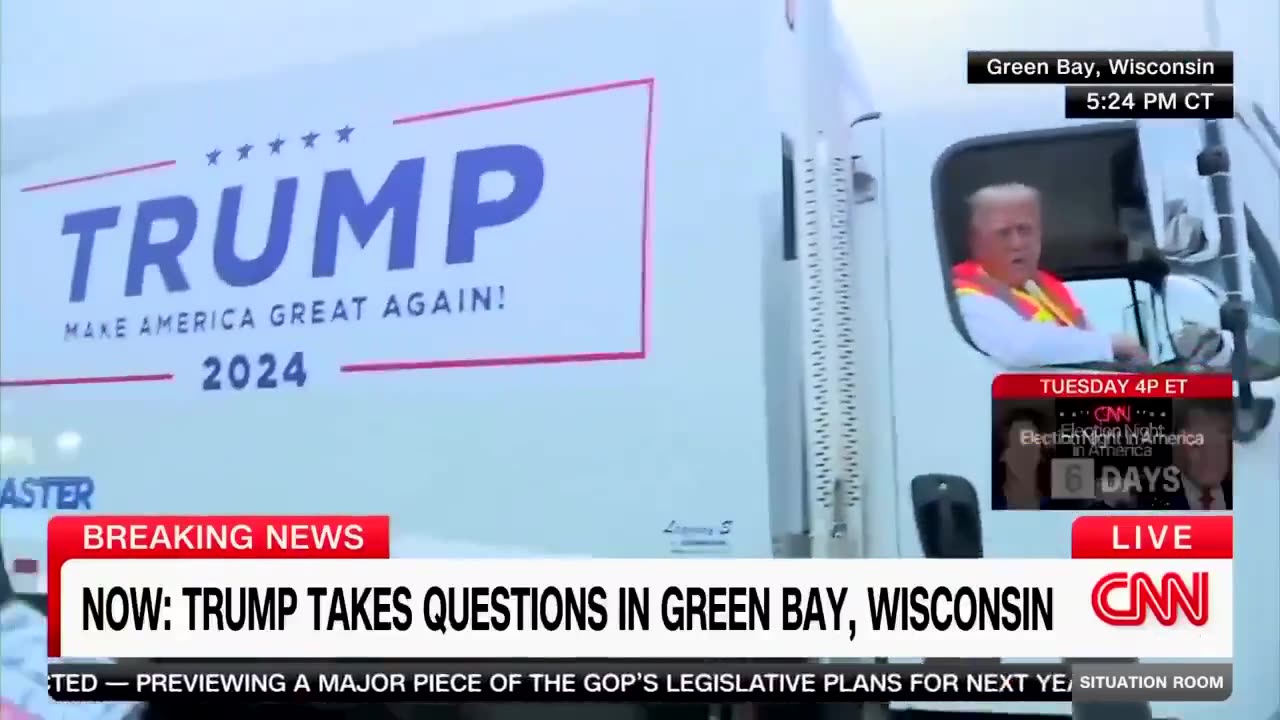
(948, 516)
(1178, 202)
(1182, 236)
(1192, 305)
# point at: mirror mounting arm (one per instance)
(1214, 164)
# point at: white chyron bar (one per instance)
(156, 608)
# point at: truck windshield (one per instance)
(1255, 170)
(1260, 168)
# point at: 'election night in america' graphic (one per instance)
(1147, 444)
(272, 256)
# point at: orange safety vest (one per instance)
(1049, 300)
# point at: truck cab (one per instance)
(1111, 193)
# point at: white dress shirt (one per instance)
(999, 331)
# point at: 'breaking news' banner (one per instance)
(635, 682)
(323, 587)
(1112, 442)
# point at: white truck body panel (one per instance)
(609, 423)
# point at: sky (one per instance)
(63, 54)
(103, 50)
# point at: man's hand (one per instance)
(1127, 349)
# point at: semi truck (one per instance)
(604, 281)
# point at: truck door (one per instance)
(1088, 195)
(1109, 195)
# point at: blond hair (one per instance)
(1004, 194)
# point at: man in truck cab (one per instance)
(1015, 312)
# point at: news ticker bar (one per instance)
(1141, 102)
(1101, 68)
(599, 681)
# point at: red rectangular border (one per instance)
(646, 225)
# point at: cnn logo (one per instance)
(1127, 599)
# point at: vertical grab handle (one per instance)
(947, 515)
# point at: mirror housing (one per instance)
(1193, 306)
(1183, 238)
(1178, 201)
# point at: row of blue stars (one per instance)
(308, 141)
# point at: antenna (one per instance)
(1211, 23)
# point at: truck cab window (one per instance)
(1051, 255)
